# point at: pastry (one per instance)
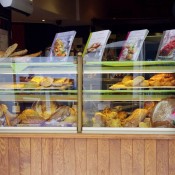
(144, 83)
(117, 86)
(37, 79)
(135, 118)
(46, 81)
(60, 82)
(129, 83)
(127, 78)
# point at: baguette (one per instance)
(19, 53)
(10, 50)
(33, 54)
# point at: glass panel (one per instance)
(128, 94)
(38, 92)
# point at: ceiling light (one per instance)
(43, 20)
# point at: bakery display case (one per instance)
(127, 97)
(38, 95)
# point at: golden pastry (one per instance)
(37, 79)
(60, 82)
(46, 81)
(129, 83)
(135, 118)
(127, 78)
(144, 83)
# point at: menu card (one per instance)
(166, 49)
(95, 45)
(62, 44)
(133, 45)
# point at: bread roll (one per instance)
(135, 118)
(138, 80)
(46, 81)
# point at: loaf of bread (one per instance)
(137, 116)
(10, 50)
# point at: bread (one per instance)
(34, 54)
(46, 81)
(164, 111)
(138, 80)
(19, 53)
(135, 118)
(10, 50)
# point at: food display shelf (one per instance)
(37, 68)
(43, 97)
(129, 67)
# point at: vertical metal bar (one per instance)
(80, 88)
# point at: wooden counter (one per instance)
(85, 154)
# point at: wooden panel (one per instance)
(14, 156)
(115, 157)
(58, 167)
(162, 157)
(92, 149)
(150, 157)
(36, 156)
(126, 157)
(80, 156)
(171, 157)
(92, 136)
(4, 164)
(47, 156)
(103, 156)
(69, 156)
(25, 159)
(138, 157)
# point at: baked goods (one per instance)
(135, 118)
(137, 80)
(127, 78)
(45, 108)
(128, 81)
(37, 79)
(19, 53)
(46, 81)
(163, 114)
(33, 54)
(10, 50)
(61, 82)
(164, 79)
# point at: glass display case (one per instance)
(38, 95)
(129, 97)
